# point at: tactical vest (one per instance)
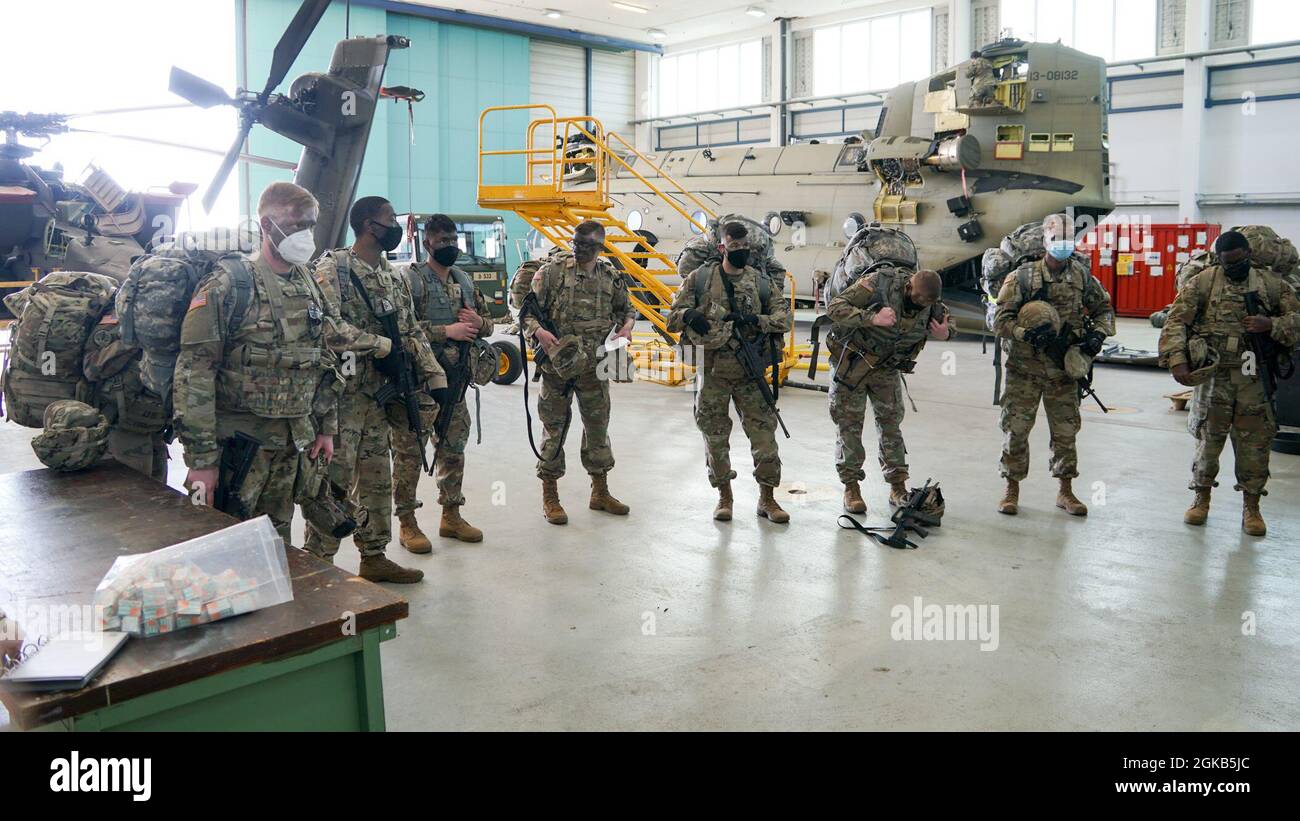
(1066, 297)
(433, 304)
(706, 285)
(1221, 318)
(898, 346)
(272, 368)
(576, 300)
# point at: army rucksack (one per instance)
(55, 317)
(702, 250)
(871, 248)
(1271, 250)
(152, 303)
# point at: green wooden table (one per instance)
(309, 664)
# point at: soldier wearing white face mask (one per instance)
(273, 376)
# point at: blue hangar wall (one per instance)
(461, 69)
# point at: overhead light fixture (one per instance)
(754, 11)
(553, 14)
(630, 7)
(656, 34)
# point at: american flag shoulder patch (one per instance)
(200, 299)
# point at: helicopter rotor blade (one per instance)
(104, 112)
(200, 92)
(270, 162)
(292, 41)
(232, 157)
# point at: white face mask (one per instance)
(297, 248)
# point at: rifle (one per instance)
(398, 367)
(459, 377)
(236, 460)
(909, 518)
(1265, 351)
(751, 359)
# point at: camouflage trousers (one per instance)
(361, 464)
(1060, 399)
(1231, 406)
(268, 487)
(449, 458)
(848, 407)
(143, 452)
(554, 405)
(713, 418)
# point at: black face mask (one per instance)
(585, 252)
(446, 255)
(1237, 271)
(392, 236)
(738, 258)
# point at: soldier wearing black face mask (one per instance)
(453, 315)
(714, 298)
(357, 282)
(1219, 310)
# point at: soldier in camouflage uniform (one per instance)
(703, 249)
(453, 314)
(585, 298)
(273, 377)
(358, 282)
(714, 298)
(1061, 279)
(983, 85)
(138, 418)
(1231, 403)
(881, 323)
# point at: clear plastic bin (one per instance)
(233, 571)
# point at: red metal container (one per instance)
(1136, 261)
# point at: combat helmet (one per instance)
(569, 357)
(1037, 313)
(75, 436)
(1202, 359)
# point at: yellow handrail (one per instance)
(527, 152)
(662, 175)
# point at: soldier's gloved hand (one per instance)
(388, 365)
(1041, 337)
(741, 318)
(697, 321)
(1092, 342)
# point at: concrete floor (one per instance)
(667, 620)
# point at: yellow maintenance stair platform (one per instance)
(554, 190)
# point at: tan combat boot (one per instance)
(768, 508)
(1200, 509)
(383, 569)
(1067, 501)
(411, 537)
(457, 528)
(551, 503)
(1251, 520)
(1010, 503)
(601, 500)
(898, 493)
(723, 511)
(853, 502)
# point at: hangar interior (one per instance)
(667, 619)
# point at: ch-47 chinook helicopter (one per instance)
(46, 224)
(955, 176)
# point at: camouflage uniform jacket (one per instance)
(587, 305)
(719, 345)
(1214, 307)
(1073, 291)
(437, 304)
(381, 282)
(275, 378)
(852, 313)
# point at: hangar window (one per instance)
(1272, 21)
(1091, 26)
(873, 54)
(707, 79)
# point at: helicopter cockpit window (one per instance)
(849, 157)
(697, 219)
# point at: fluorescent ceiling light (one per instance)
(630, 7)
(552, 14)
(753, 11)
(656, 34)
